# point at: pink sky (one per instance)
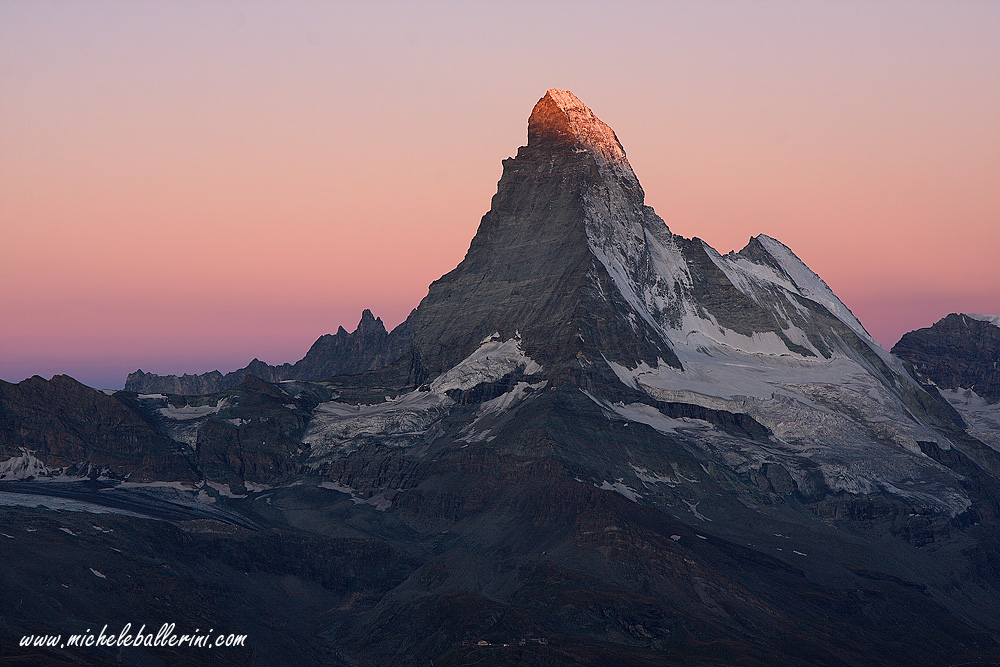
(185, 186)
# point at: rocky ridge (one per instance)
(366, 348)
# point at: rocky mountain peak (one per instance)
(560, 117)
(957, 353)
(369, 323)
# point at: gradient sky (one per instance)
(187, 185)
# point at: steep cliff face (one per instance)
(958, 352)
(570, 256)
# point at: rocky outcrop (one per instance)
(369, 347)
(957, 352)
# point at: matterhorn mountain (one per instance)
(593, 442)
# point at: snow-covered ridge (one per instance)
(992, 319)
(794, 277)
(810, 285)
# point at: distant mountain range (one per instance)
(366, 348)
(593, 442)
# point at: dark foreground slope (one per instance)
(510, 543)
(604, 444)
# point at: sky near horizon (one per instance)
(185, 186)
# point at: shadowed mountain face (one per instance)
(959, 352)
(594, 442)
(957, 358)
(73, 426)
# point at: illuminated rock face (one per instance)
(560, 116)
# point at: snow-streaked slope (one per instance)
(339, 428)
(810, 372)
(982, 417)
(807, 283)
(834, 413)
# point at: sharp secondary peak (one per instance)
(560, 116)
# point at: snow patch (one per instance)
(257, 488)
(22, 467)
(965, 399)
(492, 361)
(378, 501)
(693, 507)
(673, 478)
(511, 398)
(225, 490)
(647, 414)
(187, 412)
(621, 488)
(336, 486)
(981, 417)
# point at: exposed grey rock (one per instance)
(956, 352)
